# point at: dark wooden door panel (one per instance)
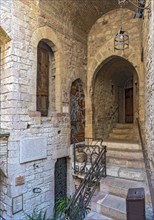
(43, 81)
(129, 105)
(60, 178)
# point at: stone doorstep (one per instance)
(121, 136)
(126, 154)
(109, 205)
(123, 125)
(122, 130)
(121, 145)
(125, 172)
(119, 187)
(122, 172)
(131, 163)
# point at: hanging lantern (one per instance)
(122, 2)
(121, 40)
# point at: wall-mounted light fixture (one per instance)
(139, 4)
(121, 39)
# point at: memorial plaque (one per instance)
(34, 148)
(17, 204)
(20, 180)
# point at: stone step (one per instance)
(96, 216)
(125, 172)
(120, 186)
(124, 153)
(121, 136)
(122, 131)
(123, 125)
(121, 145)
(131, 163)
(109, 205)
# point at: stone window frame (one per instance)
(47, 35)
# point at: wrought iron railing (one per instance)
(85, 153)
(78, 205)
(147, 164)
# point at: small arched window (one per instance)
(44, 54)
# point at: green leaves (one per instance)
(38, 216)
(76, 211)
(60, 207)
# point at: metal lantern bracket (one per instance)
(121, 40)
(140, 4)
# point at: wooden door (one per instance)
(43, 81)
(129, 105)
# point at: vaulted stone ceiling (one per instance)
(81, 13)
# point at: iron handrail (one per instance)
(85, 191)
(89, 147)
(147, 164)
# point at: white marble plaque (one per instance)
(34, 148)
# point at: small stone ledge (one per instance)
(4, 134)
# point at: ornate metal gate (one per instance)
(77, 111)
(61, 178)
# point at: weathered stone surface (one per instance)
(65, 26)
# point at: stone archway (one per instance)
(115, 95)
(4, 38)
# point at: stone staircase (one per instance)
(124, 132)
(125, 169)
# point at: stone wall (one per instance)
(149, 78)
(105, 102)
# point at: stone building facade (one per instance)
(81, 49)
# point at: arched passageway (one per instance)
(115, 95)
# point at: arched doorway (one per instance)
(77, 111)
(115, 95)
